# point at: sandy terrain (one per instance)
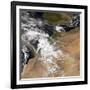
(69, 66)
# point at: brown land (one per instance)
(70, 66)
(71, 45)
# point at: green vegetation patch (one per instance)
(57, 18)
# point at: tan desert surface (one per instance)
(69, 64)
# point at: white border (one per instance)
(51, 80)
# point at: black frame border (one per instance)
(13, 44)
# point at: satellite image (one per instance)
(49, 44)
